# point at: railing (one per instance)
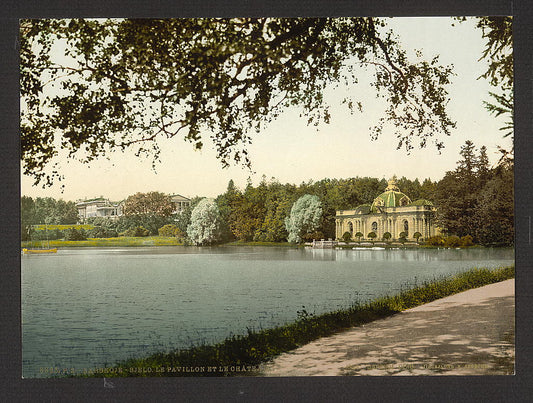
(323, 244)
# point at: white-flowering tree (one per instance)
(204, 228)
(305, 217)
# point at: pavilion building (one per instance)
(391, 212)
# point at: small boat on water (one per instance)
(31, 251)
(43, 249)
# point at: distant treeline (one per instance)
(45, 210)
(473, 201)
(477, 199)
(258, 213)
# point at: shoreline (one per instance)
(256, 348)
(108, 242)
(172, 241)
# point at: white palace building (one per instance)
(101, 207)
(393, 212)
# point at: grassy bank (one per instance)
(240, 243)
(165, 241)
(136, 241)
(240, 355)
(109, 242)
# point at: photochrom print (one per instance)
(267, 197)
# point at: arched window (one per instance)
(350, 227)
(374, 226)
(406, 227)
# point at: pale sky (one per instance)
(292, 152)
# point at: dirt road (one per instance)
(471, 333)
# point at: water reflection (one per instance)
(90, 307)
(409, 255)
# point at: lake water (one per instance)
(91, 307)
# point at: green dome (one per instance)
(392, 197)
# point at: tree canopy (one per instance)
(259, 213)
(498, 52)
(155, 203)
(204, 228)
(498, 31)
(90, 86)
(47, 210)
(305, 217)
(477, 200)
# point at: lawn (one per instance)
(109, 242)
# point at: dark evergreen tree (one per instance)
(477, 200)
(427, 190)
(495, 212)
(225, 203)
(457, 195)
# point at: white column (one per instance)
(398, 229)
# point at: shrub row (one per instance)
(451, 241)
(139, 231)
(171, 230)
(387, 236)
(98, 231)
(149, 222)
(73, 234)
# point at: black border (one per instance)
(446, 388)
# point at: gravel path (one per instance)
(470, 333)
